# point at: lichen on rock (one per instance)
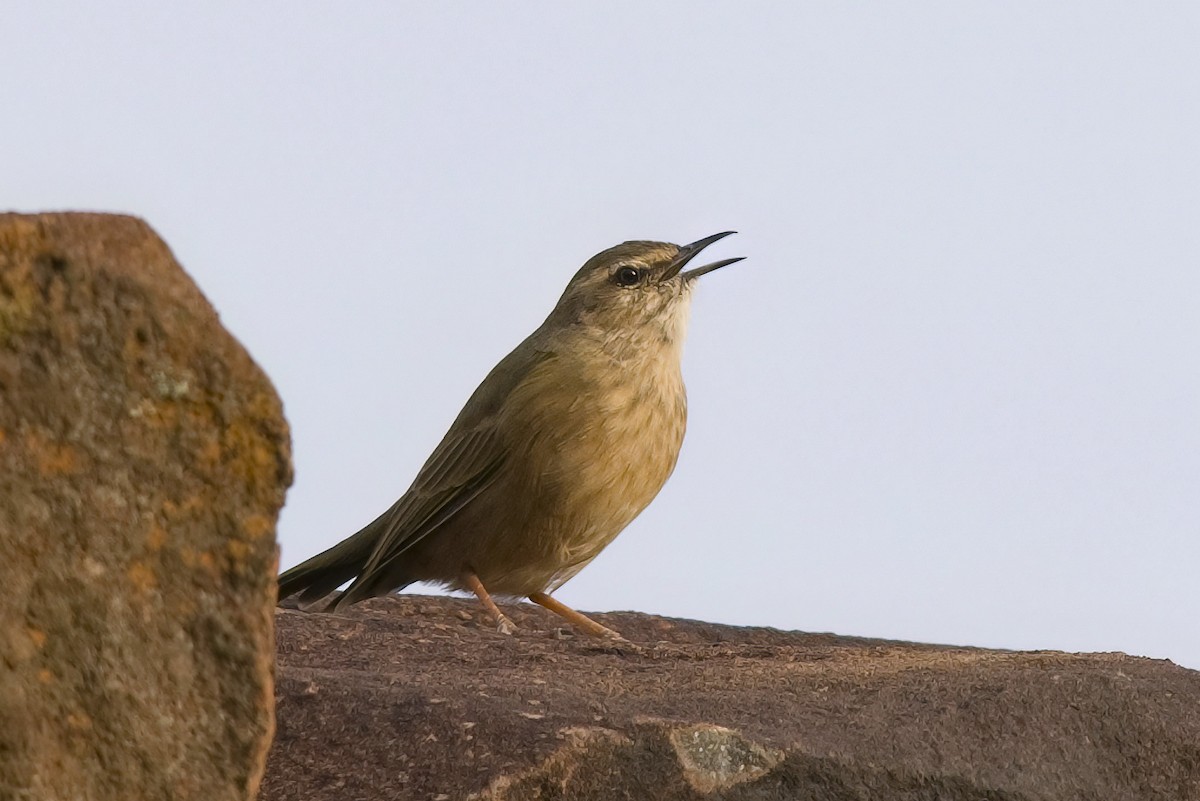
(143, 461)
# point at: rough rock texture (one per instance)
(416, 697)
(143, 461)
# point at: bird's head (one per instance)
(637, 287)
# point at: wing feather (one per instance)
(456, 473)
(465, 463)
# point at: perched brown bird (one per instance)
(564, 443)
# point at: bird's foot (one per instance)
(609, 634)
(472, 582)
(577, 619)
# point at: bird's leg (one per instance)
(577, 619)
(472, 582)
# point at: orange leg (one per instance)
(577, 619)
(472, 582)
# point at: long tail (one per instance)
(325, 572)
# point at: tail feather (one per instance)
(374, 585)
(322, 574)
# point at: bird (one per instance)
(563, 444)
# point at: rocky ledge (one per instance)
(416, 697)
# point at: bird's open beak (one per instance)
(689, 252)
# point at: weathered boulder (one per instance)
(416, 697)
(143, 461)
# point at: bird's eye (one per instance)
(628, 276)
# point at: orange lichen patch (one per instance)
(238, 550)
(199, 559)
(58, 461)
(210, 453)
(251, 457)
(38, 636)
(45, 676)
(156, 537)
(79, 721)
(155, 413)
(258, 526)
(141, 576)
(185, 508)
(202, 416)
(52, 458)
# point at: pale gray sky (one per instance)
(953, 394)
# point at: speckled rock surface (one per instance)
(143, 461)
(414, 697)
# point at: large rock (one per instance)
(416, 697)
(143, 460)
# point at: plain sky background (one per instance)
(953, 395)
